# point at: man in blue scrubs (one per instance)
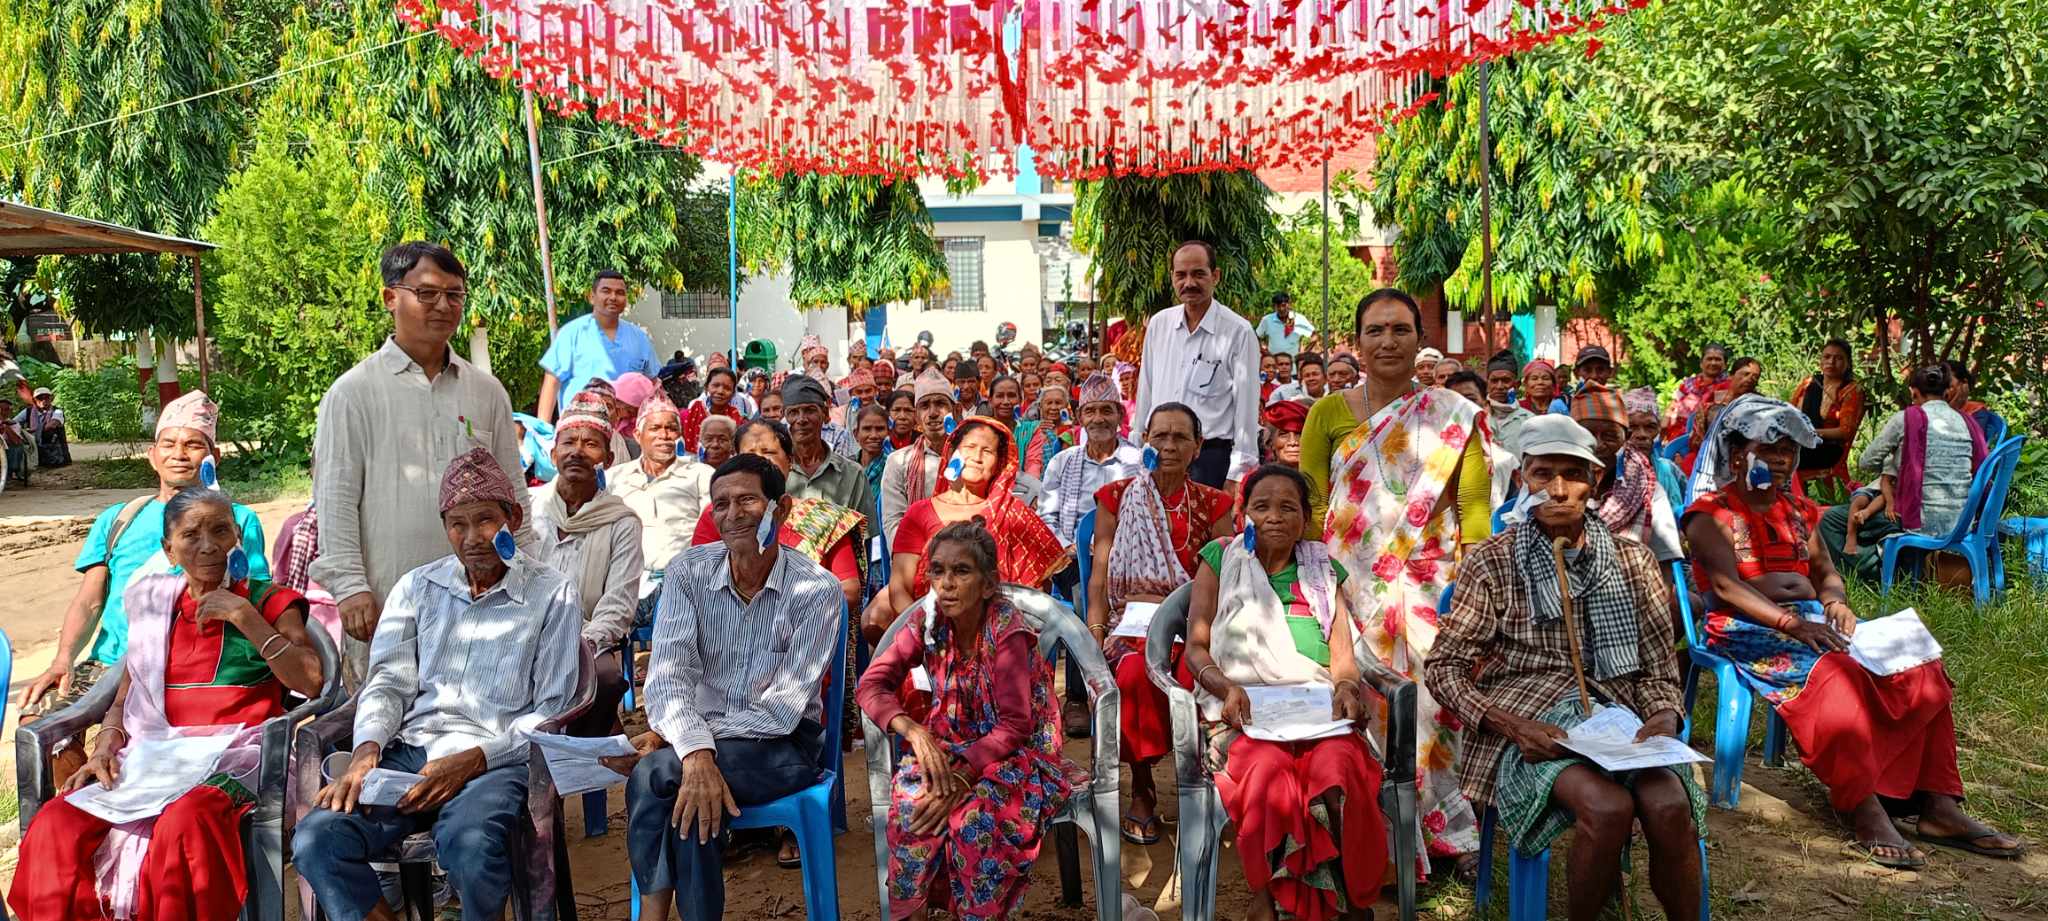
(598, 344)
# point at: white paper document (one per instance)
(1137, 619)
(1292, 713)
(1890, 645)
(920, 679)
(384, 787)
(1609, 739)
(154, 772)
(574, 765)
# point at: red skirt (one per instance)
(1267, 788)
(1860, 733)
(1145, 733)
(193, 870)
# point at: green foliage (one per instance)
(66, 64)
(295, 282)
(1297, 263)
(1130, 225)
(102, 405)
(1901, 141)
(1570, 222)
(852, 241)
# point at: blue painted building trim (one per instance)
(973, 213)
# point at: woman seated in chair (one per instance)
(977, 481)
(1885, 745)
(1148, 529)
(1266, 610)
(984, 775)
(207, 655)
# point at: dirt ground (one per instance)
(1779, 856)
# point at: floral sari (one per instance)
(1385, 520)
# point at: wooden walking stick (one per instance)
(1571, 638)
(1571, 624)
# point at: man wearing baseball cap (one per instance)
(1593, 366)
(1509, 612)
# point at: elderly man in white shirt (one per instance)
(734, 686)
(473, 652)
(667, 490)
(591, 538)
(1199, 353)
(385, 429)
(1071, 480)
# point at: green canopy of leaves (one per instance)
(1131, 226)
(851, 241)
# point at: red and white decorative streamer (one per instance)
(953, 87)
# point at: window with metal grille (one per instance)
(694, 305)
(963, 264)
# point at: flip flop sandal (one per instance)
(1967, 843)
(1868, 851)
(788, 863)
(1149, 827)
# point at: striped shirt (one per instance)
(727, 668)
(449, 673)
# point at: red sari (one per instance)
(192, 868)
(1146, 731)
(693, 421)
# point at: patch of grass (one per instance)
(249, 480)
(10, 805)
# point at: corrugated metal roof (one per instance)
(26, 231)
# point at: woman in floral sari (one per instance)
(208, 655)
(1406, 490)
(984, 776)
(1050, 431)
(1148, 531)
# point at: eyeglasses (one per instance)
(456, 297)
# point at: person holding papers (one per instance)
(1509, 612)
(1884, 744)
(984, 776)
(1147, 531)
(1266, 612)
(211, 654)
(473, 652)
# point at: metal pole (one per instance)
(1326, 250)
(1485, 212)
(540, 208)
(199, 315)
(732, 260)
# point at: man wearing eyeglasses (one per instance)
(600, 343)
(386, 430)
(1200, 353)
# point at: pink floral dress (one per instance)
(1384, 521)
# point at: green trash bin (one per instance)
(759, 353)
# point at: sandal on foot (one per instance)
(1965, 842)
(1148, 831)
(789, 846)
(1868, 850)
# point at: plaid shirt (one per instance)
(1527, 669)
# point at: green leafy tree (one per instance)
(1131, 225)
(1296, 266)
(1901, 141)
(851, 241)
(296, 285)
(1570, 223)
(66, 66)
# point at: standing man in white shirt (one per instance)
(599, 344)
(385, 430)
(1199, 353)
(1282, 330)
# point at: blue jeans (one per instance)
(475, 836)
(756, 771)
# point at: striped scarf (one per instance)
(1599, 595)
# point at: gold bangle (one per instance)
(1102, 627)
(1205, 670)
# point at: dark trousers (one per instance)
(664, 859)
(1212, 467)
(474, 840)
(603, 715)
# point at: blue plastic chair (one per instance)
(808, 812)
(1084, 555)
(1731, 721)
(1529, 878)
(1975, 535)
